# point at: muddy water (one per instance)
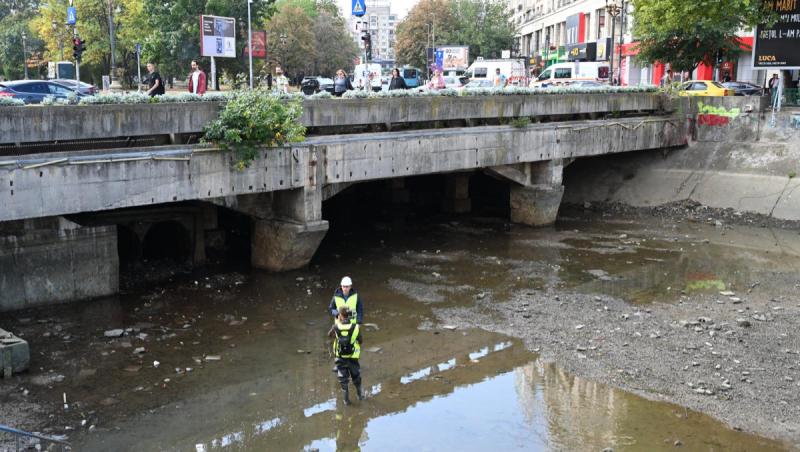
(238, 360)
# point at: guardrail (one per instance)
(19, 434)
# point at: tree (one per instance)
(483, 25)
(687, 33)
(330, 29)
(11, 51)
(290, 39)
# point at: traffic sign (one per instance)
(359, 8)
(138, 48)
(72, 15)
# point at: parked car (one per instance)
(704, 88)
(586, 84)
(455, 82)
(86, 89)
(313, 84)
(34, 91)
(479, 83)
(744, 88)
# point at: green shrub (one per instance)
(252, 119)
(521, 123)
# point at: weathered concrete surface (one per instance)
(83, 122)
(753, 171)
(278, 245)
(535, 206)
(55, 259)
(15, 355)
(75, 122)
(191, 173)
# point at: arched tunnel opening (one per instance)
(129, 248)
(167, 240)
(412, 202)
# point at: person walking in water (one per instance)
(346, 295)
(347, 342)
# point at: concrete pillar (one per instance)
(279, 245)
(53, 260)
(537, 204)
(290, 237)
(456, 193)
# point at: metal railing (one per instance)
(19, 435)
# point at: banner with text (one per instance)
(776, 47)
(218, 36)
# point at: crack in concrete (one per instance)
(780, 196)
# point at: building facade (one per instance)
(552, 31)
(382, 25)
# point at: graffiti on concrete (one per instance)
(709, 115)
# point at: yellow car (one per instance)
(704, 88)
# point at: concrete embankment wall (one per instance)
(739, 158)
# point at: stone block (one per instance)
(535, 206)
(278, 245)
(14, 354)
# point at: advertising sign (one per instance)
(603, 47)
(582, 52)
(455, 58)
(776, 47)
(572, 28)
(439, 59)
(218, 36)
(259, 45)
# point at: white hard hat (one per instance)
(346, 281)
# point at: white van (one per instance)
(512, 69)
(361, 76)
(566, 73)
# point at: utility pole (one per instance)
(25, 55)
(250, 43)
(613, 10)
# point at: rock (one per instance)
(579, 327)
(744, 323)
(705, 320)
(727, 293)
(138, 350)
(436, 275)
(213, 358)
(735, 300)
(156, 364)
(480, 296)
(580, 348)
(374, 349)
(132, 368)
(449, 327)
(760, 317)
(587, 205)
(117, 332)
(678, 443)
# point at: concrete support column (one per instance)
(290, 237)
(456, 193)
(537, 204)
(53, 260)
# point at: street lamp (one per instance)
(250, 43)
(283, 39)
(614, 9)
(112, 34)
(25, 54)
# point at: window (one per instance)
(562, 73)
(59, 90)
(480, 72)
(35, 88)
(409, 73)
(544, 75)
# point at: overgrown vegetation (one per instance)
(254, 119)
(521, 123)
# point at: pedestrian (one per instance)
(281, 81)
(437, 80)
(347, 296)
(197, 80)
(154, 81)
(773, 85)
(500, 80)
(397, 82)
(347, 340)
(341, 83)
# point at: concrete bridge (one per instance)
(64, 211)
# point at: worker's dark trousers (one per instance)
(347, 368)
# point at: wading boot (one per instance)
(346, 395)
(359, 392)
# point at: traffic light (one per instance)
(367, 38)
(77, 48)
(720, 56)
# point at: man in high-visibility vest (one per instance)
(347, 341)
(346, 295)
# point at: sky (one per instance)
(399, 7)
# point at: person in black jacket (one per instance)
(397, 82)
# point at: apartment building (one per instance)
(381, 23)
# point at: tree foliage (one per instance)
(483, 25)
(687, 33)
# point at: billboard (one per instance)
(259, 45)
(218, 36)
(454, 58)
(776, 47)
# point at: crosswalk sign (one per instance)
(72, 15)
(359, 8)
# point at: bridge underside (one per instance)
(86, 196)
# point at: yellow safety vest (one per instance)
(351, 302)
(345, 330)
